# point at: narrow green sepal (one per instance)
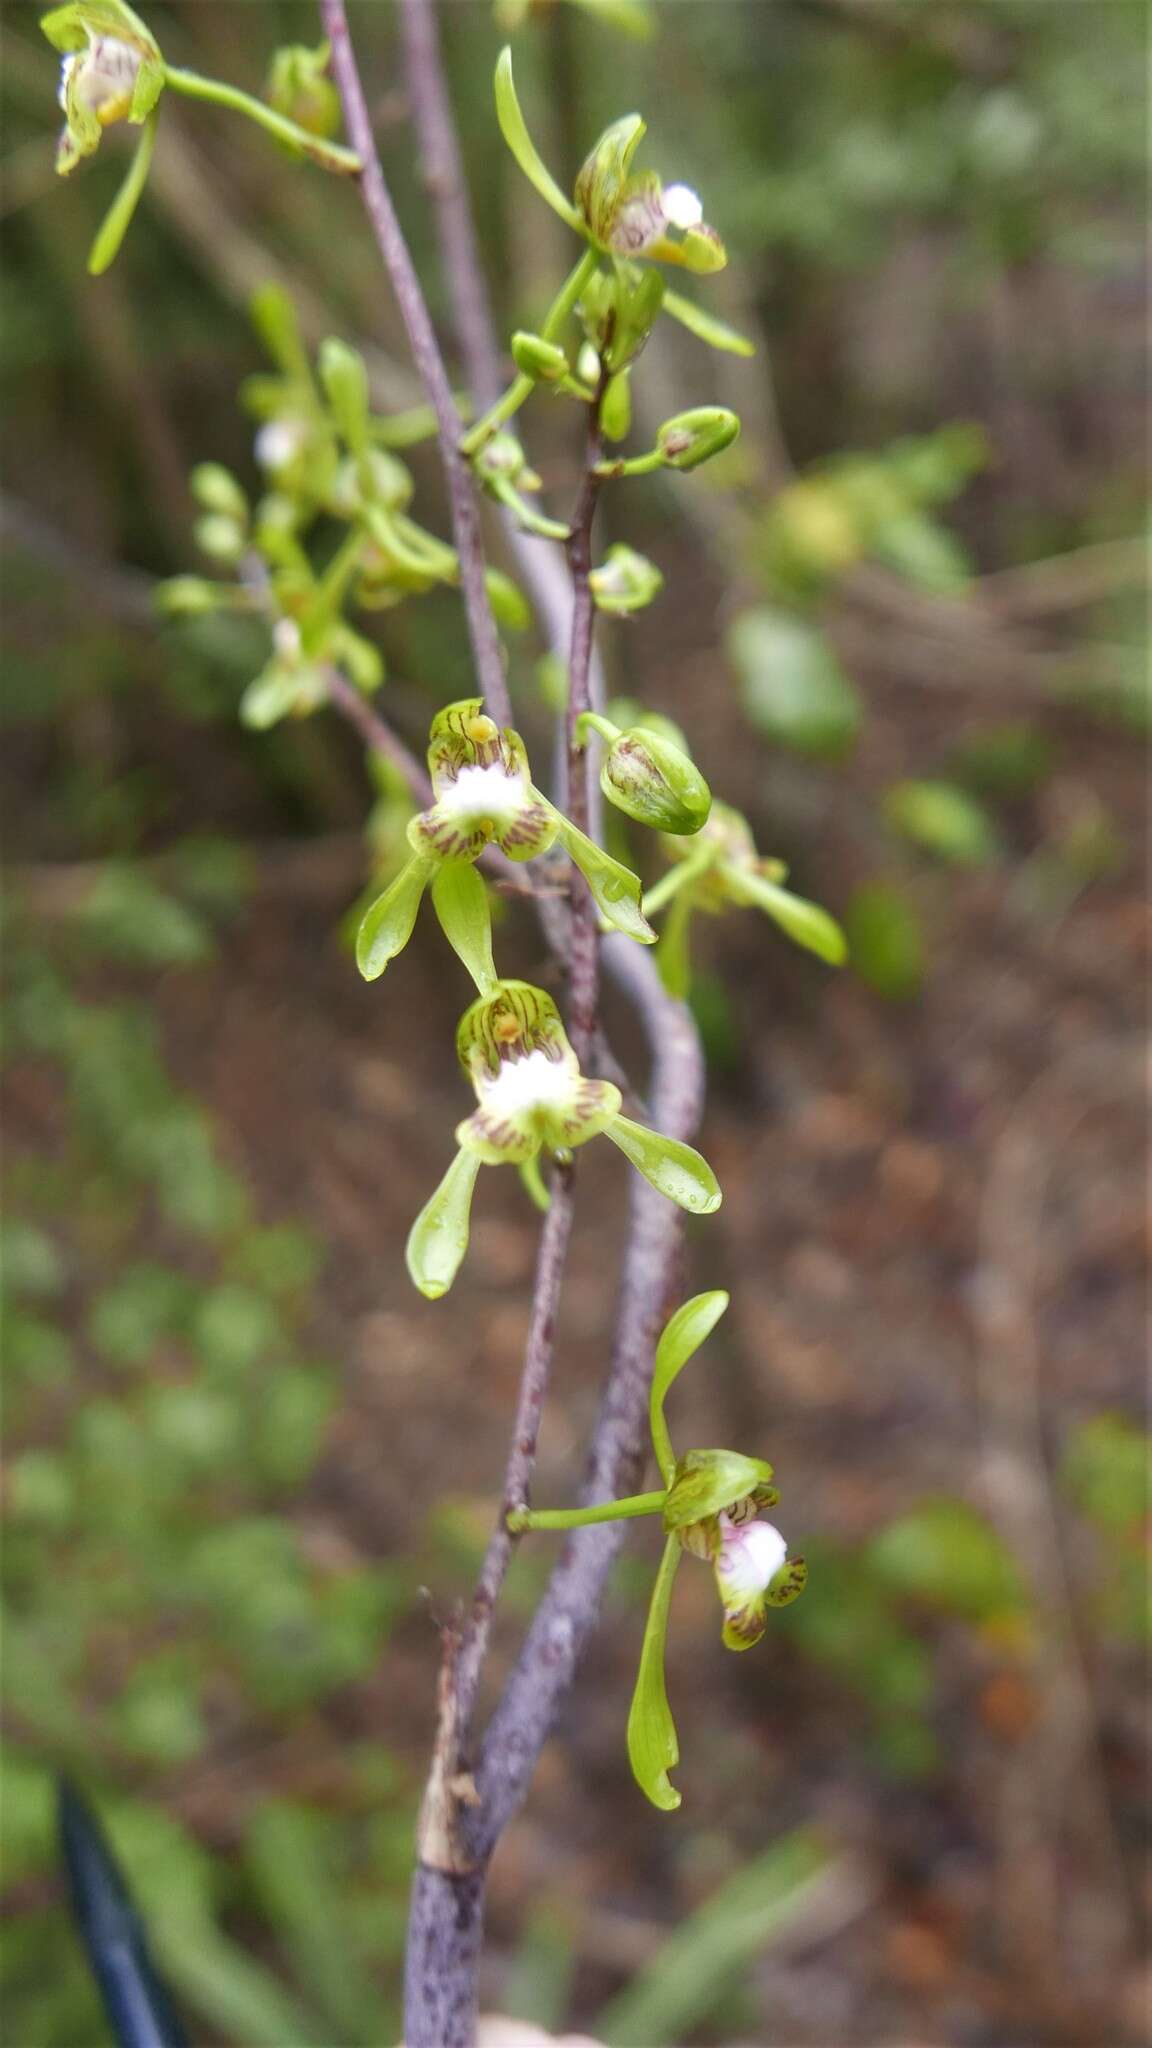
(514, 129)
(653, 1749)
(805, 923)
(706, 327)
(533, 1182)
(673, 1169)
(682, 1335)
(118, 218)
(615, 889)
(438, 1239)
(386, 926)
(460, 901)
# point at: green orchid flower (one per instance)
(485, 796)
(533, 1099)
(113, 71)
(710, 1506)
(719, 868)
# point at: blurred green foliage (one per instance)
(162, 1606)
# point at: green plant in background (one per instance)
(163, 1414)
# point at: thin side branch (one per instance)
(429, 362)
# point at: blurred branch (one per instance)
(122, 593)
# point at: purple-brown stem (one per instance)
(429, 362)
(466, 1812)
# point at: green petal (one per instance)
(673, 954)
(804, 922)
(705, 327)
(680, 1339)
(387, 927)
(438, 1239)
(604, 175)
(673, 1169)
(615, 888)
(652, 1746)
(788, 1584)
(699, 250)
(460, 901)
(116, 221)
(514, 129)
(705, 1482)
(516, 1018)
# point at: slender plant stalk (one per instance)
(401, 270)
(584, 942)
(467, 1810)
(330, 155)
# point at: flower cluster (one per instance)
(531, 1098)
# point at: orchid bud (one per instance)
(544, 361)
(216, 489)
(690, 438)
(655, 782)
(191, 597)
(220, 537)
(616, 407)
(298, 87)
(625, 581)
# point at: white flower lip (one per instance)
(681, 206)
(107, 72)
(532, 1082)
(477, 793)
(750, 1557)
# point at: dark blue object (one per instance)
(139, 2009)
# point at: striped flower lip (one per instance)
(532, 1100)
(529, 1087)
(483, 789)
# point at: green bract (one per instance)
(719, 868)
(485, 796)
(532, 1098)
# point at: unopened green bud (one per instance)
(374, 478)
(299, 88)
(625, 581)
(190, 597)
(544, 361)
(503, 460)
(652, 781)
(691, 438)
(216, 490)
(345, 380)
(220, 537)
(616, 408)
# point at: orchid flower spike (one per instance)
(484, 796)
(533, 1099)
